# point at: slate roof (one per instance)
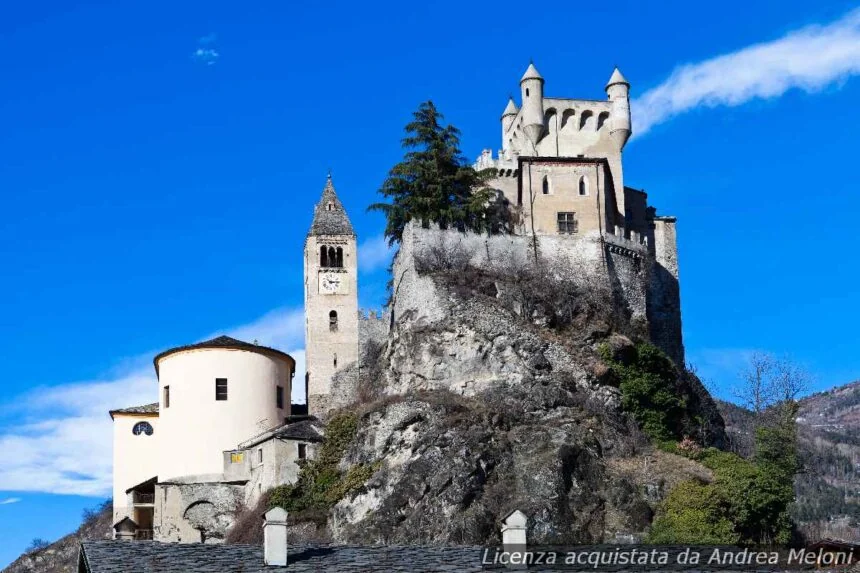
(115, 556)
(302, 429)
(330, 221)
(223, 342)
(145, 409)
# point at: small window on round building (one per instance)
(142, 428)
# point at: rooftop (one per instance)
(329, 215)
(227, 343)
(117, 556)
(145, 409)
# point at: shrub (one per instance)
(650, 392)
(321, 484)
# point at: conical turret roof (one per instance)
(531, 74)
(511, 108)
(329, 215)
(617, 78)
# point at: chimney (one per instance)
(514, 537)
(275, 537)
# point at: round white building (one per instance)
(213, 395)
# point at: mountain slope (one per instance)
(828, 487)
(62, 555)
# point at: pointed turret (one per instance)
(531, 86)
(511, 108)
(329, 215)
(618, 90)
(617, 78)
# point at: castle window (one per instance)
(260, 455)
(585, 119)
(142, 428)
(332, 321)
(583, 186)
(279, 397)
(601, 119)
(166, 397)
(527, 92)
(221, 389)
(334, 361)
(303, 451)
(545, 185)
(567, 223)
(338, 261)
(323, 256)
(331, 257)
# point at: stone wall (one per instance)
(195, 512)
(641, 281)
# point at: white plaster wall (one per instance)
(196, 429)
(134, 458)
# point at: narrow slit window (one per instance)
(546, 185)
(279, 397)
(332, 321)
(221, 389)
(303, 451)
(166, 398)
(335, 360)
(583, 186)
(260, 455)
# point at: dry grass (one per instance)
(661, 467)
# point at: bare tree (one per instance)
(769, 381)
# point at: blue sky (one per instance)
(159, 163)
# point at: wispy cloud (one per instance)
(721, 368)
(373, 254)
(810, 59)
(206, 52)
(63, 440)
(10, 500)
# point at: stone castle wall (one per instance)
(649, 290)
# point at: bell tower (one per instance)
(331, 297)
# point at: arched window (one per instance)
(329, 206)
(585, 119)
(338, 261)
(583, 186)
(545, 185)
(566, 118)
(144, 428)
(323, 256)
(601, 119)
(332, 321)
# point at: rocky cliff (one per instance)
(498, 391)
(62, 555)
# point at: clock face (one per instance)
(332, 283)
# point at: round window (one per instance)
(142, 428)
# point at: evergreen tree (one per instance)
(434, 183)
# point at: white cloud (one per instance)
(10, 500)
(63, 440)
(809, 59)
(721, 368)
(374, 253)
(206, 52)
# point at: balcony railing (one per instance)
(143, 535)
(143, 498)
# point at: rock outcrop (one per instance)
(472, 410)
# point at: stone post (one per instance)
(514, 538)
(275, 537)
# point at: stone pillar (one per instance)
(275, 537)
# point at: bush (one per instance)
(650, 392)
(744, 504)
(321, 484)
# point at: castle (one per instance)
(223, 432)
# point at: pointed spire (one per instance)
(511, 108)
(617, 78)
(531, 74)
(329, 215)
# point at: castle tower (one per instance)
(508, 117)
(531, 86)
(618, 90)
(331, 297)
